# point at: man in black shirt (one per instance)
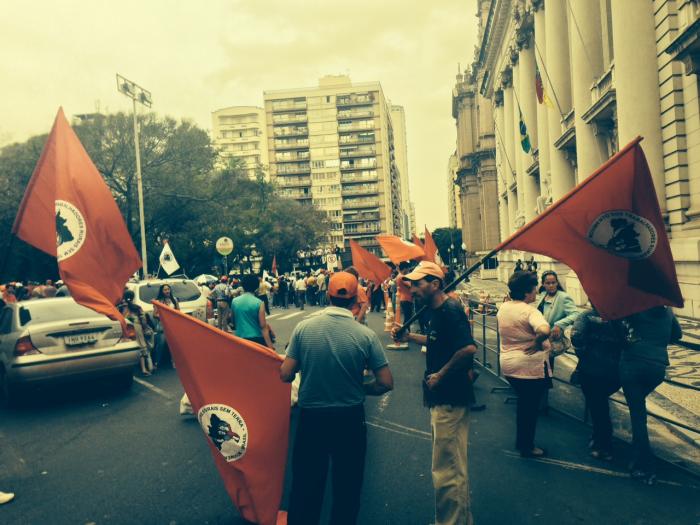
(447, 390)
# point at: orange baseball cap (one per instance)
(343, 285)
(423, 269)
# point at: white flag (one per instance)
(167, 259)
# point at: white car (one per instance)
(190, 297)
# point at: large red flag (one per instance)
(431, 251)
(242, 407)
(399, 250)
(274, 265)
(369, 265)
(68, 212)
(609, 230)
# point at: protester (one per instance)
(144, 327)
(9, 294)
(403, 292)
(598, 344)
(643, 368)
(332, 351)
(261, 293)
(322, 283)
(524, 359)
(283, 292)
(63, 290)
(300, 289)
(6, 497)
(359, 309)
(161, 349)
(447, 390)
(248, 314)
(376, 297)
(560, 312)
(222, 297)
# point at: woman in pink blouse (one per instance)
(524, 356)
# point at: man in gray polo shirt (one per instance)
(332, 351)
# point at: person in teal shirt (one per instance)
(248, 314)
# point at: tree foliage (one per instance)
(191, 197)
(445, 238)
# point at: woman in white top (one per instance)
(524, 356)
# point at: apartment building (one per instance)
(398, 119)
(333, 146)
(240, 132)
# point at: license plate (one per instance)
(80, 339)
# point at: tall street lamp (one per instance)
(137, 93)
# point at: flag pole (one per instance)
(474, 267)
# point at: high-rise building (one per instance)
(240, 131)
(333, 146)
(398, 119)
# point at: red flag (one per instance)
(369, 265)
(399, 250)
(417, 241)
(242, 407)
(274, 265)
(68, 212)
(431, 251)
(609, 230)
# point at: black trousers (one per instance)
(328, 435)
(529, 392)
(597, 390)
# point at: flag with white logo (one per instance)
(167, 259)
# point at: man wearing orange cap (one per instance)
(359, 309)
(447, 390)
(332, 351)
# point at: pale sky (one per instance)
(198, 56)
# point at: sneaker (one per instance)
(6, 497)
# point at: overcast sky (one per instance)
(198, 56)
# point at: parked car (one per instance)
(189, 295)
(58, 340)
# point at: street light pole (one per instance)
(136, 92)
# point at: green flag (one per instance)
(524, 137)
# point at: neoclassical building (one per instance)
(556, 88)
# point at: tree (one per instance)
(189, 198)
(444, 239)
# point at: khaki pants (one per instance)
(450, 429)
(223, 314)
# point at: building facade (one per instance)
(585, 77)
(454, 200)
(240, 132)
(398, 119)
(333, 146)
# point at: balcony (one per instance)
(361, 217)
(365, 99)
(358, 151)
(297, 131)
(601, 113)
(370, 230)
(359, 125)
(350, 114)
(288, 105)
(361, 189)
(357, 139)
(292, 194)
(367, 163)
(288, 169)
(291, 144)
(354, 177)
(360, 203)
(302, 155)
(290, 182)
(288, 118)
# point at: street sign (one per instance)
(331, 261)
(224, 245)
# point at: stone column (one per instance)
(502, 167)
(528, 104)
(691, 97)
(508, 136)
(558, 85)
(585, 37)
(637, 84)
(543, 142)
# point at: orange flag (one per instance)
(274, 265)
(417, 241)
(399, 250)
(369, 265)
(610, 231)
(68, 212)
(242, 407)
(431, 251)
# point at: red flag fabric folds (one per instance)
(399, 250)
(242, 407)
(369, 265)
(68, 212)
(274, 265)
(431, 251)
(610, 231)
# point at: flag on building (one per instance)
(542, 96)
(69, 213)
(610, 232)
(524, 137)
(274, 265)
(399, 250)
(167, 259)
(242, 407)
(368, 265)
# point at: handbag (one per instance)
(560, 346)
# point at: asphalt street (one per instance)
(90, 454)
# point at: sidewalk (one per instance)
(671, 401)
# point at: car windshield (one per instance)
(49, 311)
(183, 291)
